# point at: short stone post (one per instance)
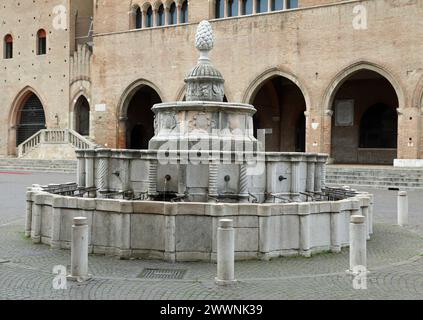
(28, 220)
(402, 208)
(225, 253)
(358, 245)
(79, 250)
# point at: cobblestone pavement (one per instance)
(395, 259)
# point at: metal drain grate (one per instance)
(162, 274)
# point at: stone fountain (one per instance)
(203, 164)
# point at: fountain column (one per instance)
(125, 171)
(243, 184)
(318, 178)
(103, 156)
(213, 173)
(80, 168)
(295, 178)
(89, 171)
(152, 179)
(311, 168)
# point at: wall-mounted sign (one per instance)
(100, 107)
(344, 113)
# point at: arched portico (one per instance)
(281, 102)
(354, 99)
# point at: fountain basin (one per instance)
(187, 231)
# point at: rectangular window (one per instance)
(232, 8)
(261, 6)
(292, 4)
(277, 5)
(220, 9)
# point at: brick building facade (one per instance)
(339, 77)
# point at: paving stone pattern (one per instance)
(394, 258)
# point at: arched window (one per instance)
(184, 12)
(247, 7)
(292, 4)
(261, 6)
(378, 127)
(8, 47)
(161, 16)
(173, 12)
(138, 18)
(149, 17)
(232, 8)
(276, 5)
(220, 10)
(41, 42)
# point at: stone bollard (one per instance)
(358, 245)
(225, 253)
(402, 208)
(79, 250)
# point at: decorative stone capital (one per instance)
(80, 154)
(89, 153)
(104, 153)
(156, 5)
(328, 112)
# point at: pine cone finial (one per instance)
(204, 39)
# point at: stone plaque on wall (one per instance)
(344, 113)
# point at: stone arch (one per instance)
(124, 104)
(156, 4)
(76, 96)
(359, 89)
(418, 95)
(146, 5)
(281, 101)
(341, 77)
(13, 119)
(168, 3)
(181, 93)
(256, 84)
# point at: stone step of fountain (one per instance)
(379, 177)
(372, 178)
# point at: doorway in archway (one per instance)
(82, 116)
(140, 118)
(31, 119)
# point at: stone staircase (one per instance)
(382, 177)
(35, 165)
(56, 143)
